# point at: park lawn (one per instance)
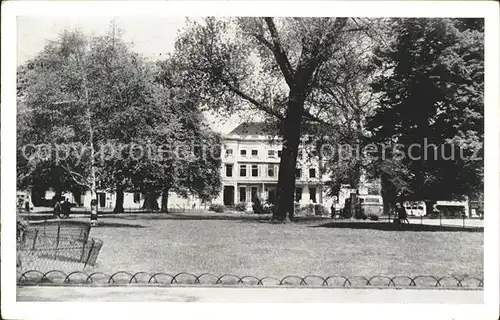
(246, 247)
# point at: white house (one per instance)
(250, 164)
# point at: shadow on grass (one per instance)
(173, 216)
(388, 226)
(100, 224)
(255, 218)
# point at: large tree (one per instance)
(78, 96)
(267, 64)
(430, 91)
(185, 158)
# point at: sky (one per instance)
(153, 37)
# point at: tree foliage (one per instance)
(431, 87)
(272, 65)
(104, 104)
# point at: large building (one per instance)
(250, 166)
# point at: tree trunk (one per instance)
(119, 200)
(164, 200)
(58, 195)
(358, 157)
(150, 201)
(429, 206)
(388, 196)
(286, 178)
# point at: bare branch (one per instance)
(279, 53)
(248, 98)
(64, 102)
(74, 176)
(264, 41)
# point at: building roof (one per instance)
(268, 129)
(254, 128)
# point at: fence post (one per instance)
(83, 251)
(57, 241)
(34, 239)
(90, 252)
(440, 218)
(58, 235)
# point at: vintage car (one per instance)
(369, 206)
(366, 206)
(415, 208)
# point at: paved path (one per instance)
(190, 294)
(450, 222)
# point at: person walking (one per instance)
(57, 209)
(66, 208)
(402, 214)
(93, 212)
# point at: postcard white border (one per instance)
(37, 310)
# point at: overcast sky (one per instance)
(152, 37)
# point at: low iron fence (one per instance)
(58, 277)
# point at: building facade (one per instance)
(250, 167)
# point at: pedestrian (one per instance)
(93, 212)
(402, 215)
(332, 210)
(57, 209)
(27, 205)
(66, 208)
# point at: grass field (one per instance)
(251, 247)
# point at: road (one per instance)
(204, 294)
(449, 222)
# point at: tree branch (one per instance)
(73, 176)
(256, 103)
(279, 53)
(264, 41)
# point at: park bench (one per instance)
(58, 242)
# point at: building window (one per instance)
(312, 194)
(229, 170)
(298, 173)
(229, 152)
(243, 171)
(270, 153)
(312, 173)
(279, 153)
(298, 194)
(270, 170)
(243, 153)
(137, 197)
(255, 152)
(243, 194)
(255, 170)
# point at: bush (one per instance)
(216, 207)
(242, 206)
(257, 206)
(321, 210)
(296, 208)
(373, 217)
(21, 225)
(307, 210)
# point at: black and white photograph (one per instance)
(258, 153)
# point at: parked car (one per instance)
(369, 206)
(415, 208)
